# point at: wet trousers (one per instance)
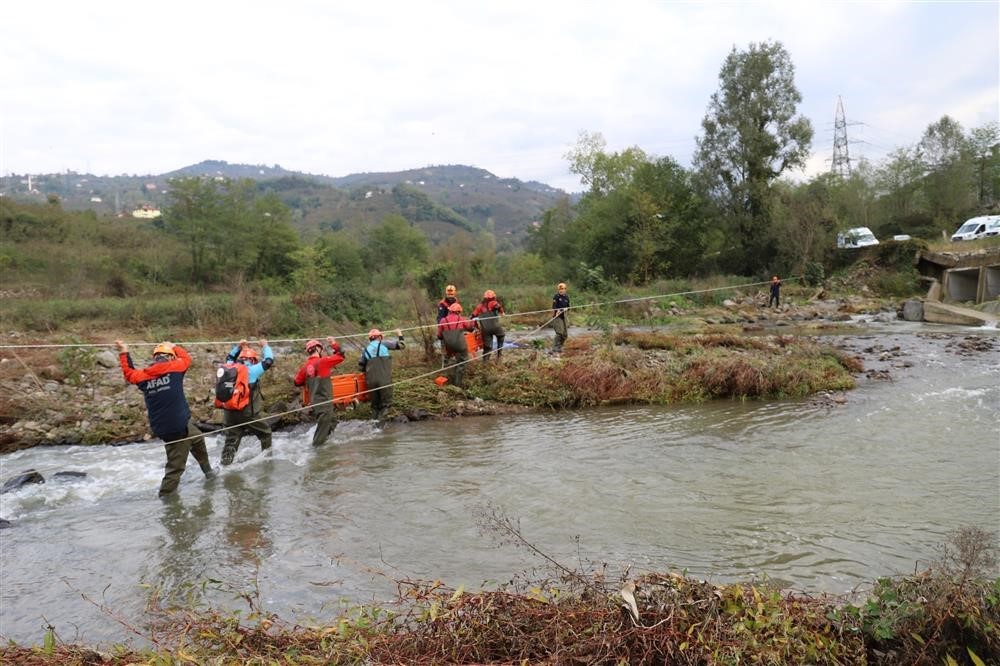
(233, 437)
(177, 453)
(326, 423)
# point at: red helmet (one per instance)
(374, 333)
(248, 353)
(490, 294)
(313, 344)
(456, 308)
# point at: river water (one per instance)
(817, 495)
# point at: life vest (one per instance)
(232, 386)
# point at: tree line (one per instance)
(642, 218)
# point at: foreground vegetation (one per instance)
(946, 614)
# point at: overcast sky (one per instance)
(341, 87)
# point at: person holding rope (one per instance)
(248, 420)
(376, 363)
(560, 304)
(487, 314)
(775, 296)
(162, 386)
(451, 333)
(314, 375)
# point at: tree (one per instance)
(984, 143)
(950, 181)
(602, 171)
(394, 246)
(751, 137)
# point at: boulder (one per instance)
(913, 310)
(4, 523)
(21, 480)
(68, 475)
(942, 313)
(107, 359)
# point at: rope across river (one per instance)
(434, 371)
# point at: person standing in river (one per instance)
(247, 420)
(162, 386)
(775, 292)
(560, 304)
(314, 375)
(376, 363)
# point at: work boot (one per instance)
(228, 453)
(210, 472)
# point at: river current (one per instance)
(821, 495)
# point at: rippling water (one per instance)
(812, 494)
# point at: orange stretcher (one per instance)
(346, 389)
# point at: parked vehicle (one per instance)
(978, 227)
(857, 237)
(993, 226)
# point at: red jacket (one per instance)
(319, 366)
(454, 322)
(488, 306)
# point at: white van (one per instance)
(993, 226)
(856, 237)
(978, 227)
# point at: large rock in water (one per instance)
(4, 523)
(913, 310)
(21, 480)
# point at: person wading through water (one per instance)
(162, 386)
(376, 363)
(314, 375)
(487, 314)
(256, 367)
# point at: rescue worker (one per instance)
(775, 296)
(488, 314)
(451, 333)
(377, 365)
(256, 367)
(560, 304)
(314, 375)
(450, 297)
(162, 386)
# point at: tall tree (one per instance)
(751, 137)
(950, 182)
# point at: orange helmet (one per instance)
(562, 285)
(313, 344)
(450, 290)
(248, 353)
(374, 333)
(164, 348)
(456, 308)
(489, 293)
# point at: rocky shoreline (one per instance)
(77, 395)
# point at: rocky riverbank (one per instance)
(76, 395)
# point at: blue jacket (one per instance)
(255, 370)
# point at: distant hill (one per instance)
(442, 200)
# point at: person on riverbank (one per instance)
(451, 333)
(246, 421)
(376, 363)
(162, 386)
(487, 314)
(560, 304)
(450, 298)
(775, 297)
(314, 375)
